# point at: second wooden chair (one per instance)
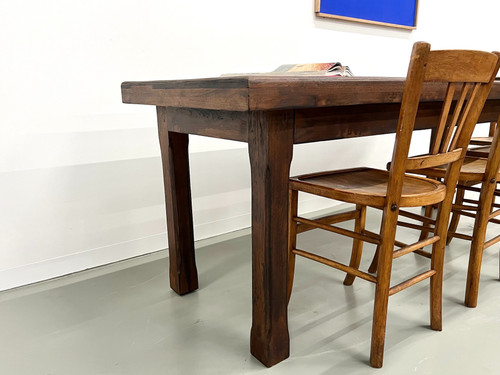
(480, 174)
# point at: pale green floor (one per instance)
(124, 319)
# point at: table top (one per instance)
(268, 92)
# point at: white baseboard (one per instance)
(57, 267)
(207, 233)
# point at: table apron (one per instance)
(313, 124)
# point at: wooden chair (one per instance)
(482, 145)
(469, 72)
(484, 141)
(476, 170)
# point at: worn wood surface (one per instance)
(324, 107)
(253, 93)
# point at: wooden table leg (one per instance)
(175, 160)
(270, 142)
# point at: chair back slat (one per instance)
(450, 128)
(463, 116)
(443, 119)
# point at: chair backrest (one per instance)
(467, 76)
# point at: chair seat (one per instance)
(483, 141)
(368, 186)
(472, 170)
(479, 152)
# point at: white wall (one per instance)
(80, 174)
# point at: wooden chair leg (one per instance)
(380, 317)
(428, 213)
(357, 245)
(477, 246)
(455, 218)
(473, 273)
(388, 234)
(436, 287)
(492, 205)
(374, 263)
(437, 263)
(292, 237)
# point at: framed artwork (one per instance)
(394, 13)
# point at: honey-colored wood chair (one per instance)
(469, 75)
(485, 141)
(479, 174)
(481, 146)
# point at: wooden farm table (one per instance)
(270, 113)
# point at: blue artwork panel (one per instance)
(399, 12)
